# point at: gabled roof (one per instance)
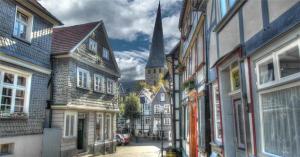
(157, 51)
(64, 39)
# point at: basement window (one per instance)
(6, 149)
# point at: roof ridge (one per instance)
(83, 24)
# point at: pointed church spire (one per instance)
(157, 51)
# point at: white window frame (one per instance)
(70, 113)
(105, 53)
(92, 45)
(261, 114)
(215, 105)
(148, 119)
(156, 109)
(162, 97)
(100, 84)
(14, 86)
(167, 106)
(110, 86)
(88, 83)
(102, 125)
(167, 121)
(274, 56)
(29, 25)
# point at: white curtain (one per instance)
(281, 122)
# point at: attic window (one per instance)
(92, 45)
(105, 53)
(23, 25)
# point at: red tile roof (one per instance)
(64, 39)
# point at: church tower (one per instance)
(155, 66)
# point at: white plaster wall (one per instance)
(229, 37)
(25, 146)
(278, 7)
(252, 18)
(212, 49)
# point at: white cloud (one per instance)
(132, 64)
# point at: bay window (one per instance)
(279, 98)
(99, 127)
(14, 91)
(99, 83)
(70, 124)
(216, 115)
(83, 78)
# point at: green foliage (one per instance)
(189, 85)
(131, 106)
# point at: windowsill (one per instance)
(234, 92)
(221, 24)
(22, 40)
(14, 116)
(101, 92)
(83, 88)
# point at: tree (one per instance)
(132, 107)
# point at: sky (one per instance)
(129, 24)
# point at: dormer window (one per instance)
(105, 53)
(23, 24)
(92, 45)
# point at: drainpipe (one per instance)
(50, 101)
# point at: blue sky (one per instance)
(129, 24)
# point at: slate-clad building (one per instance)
(25, 71)
(156, 64)
(84, 88)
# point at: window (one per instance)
(157, 121)
(99, 127)
(216, 114)
(159, 70)
(147, 120)
(156, 109)
(105, 53)
(162, 97)
(6, 149)
(107, 131)
(239, 122)
(154, 71)
(225, 6)
(70, 124)
(149, 71)
(167, 121)
(234, 77)
(99, 83)
(167, 109)
(110, 86)
(92, 45)
(23, 24)
(83, 78)
(280, 121)
(279, 108)
(14, 91)
(279, 66)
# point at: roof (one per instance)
(66, 38)
(157, 51)
(131, 86)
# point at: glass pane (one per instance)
(72, 125)
(21, 81)
(231, 3)
(266, 72)
(240, 123)
(289, 62)
(235, 74)
(84, 80)
(20, 93)
(223, 7)
(8, 78)
(22, 17)
(67, 125)
(22, 31)
(16, 29)
(280, 116)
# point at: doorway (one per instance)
(80, 135)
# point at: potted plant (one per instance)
(189, 85)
